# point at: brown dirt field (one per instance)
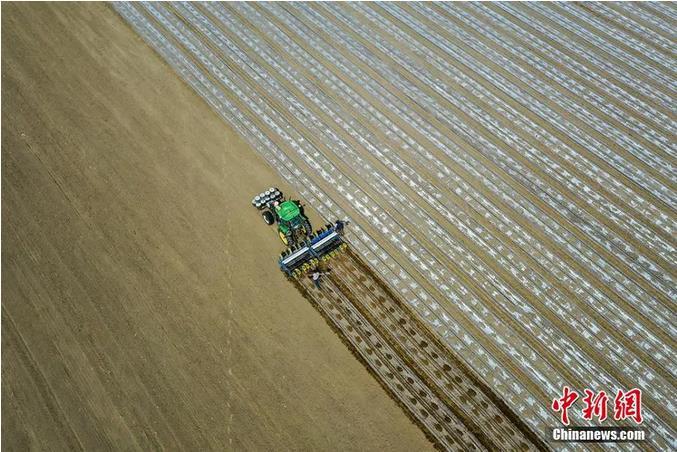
(141, 308)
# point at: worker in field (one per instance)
(316, 275)
(339, 225)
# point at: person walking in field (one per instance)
(315, 277)
(340, 224)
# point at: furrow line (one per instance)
(589, 67)
(448, 376)
(587, 231)
(390, 371)
(595, 35)
(285, 136)
(654, 23)
(603, 130)
(575, 220)
(622, 111)
(288, 44)
(647, 35)
(410, 173)
(578, 160)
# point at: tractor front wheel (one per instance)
(268, 217)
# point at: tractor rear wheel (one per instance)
(307, 229)
(284, 238)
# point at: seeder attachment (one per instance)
(320, 247)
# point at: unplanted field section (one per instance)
(141, 305)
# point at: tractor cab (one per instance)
(289, 214)
(292, 225)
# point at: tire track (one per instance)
(429, 356)
(399, 379)
(356, 298)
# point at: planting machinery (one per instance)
(305, 249)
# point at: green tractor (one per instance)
(305, 249)
(293, 226)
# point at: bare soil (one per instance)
(141, 306)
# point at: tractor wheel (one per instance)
(284, 238)
(307, 229)
(268, 217)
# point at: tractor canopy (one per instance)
(288, 211)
